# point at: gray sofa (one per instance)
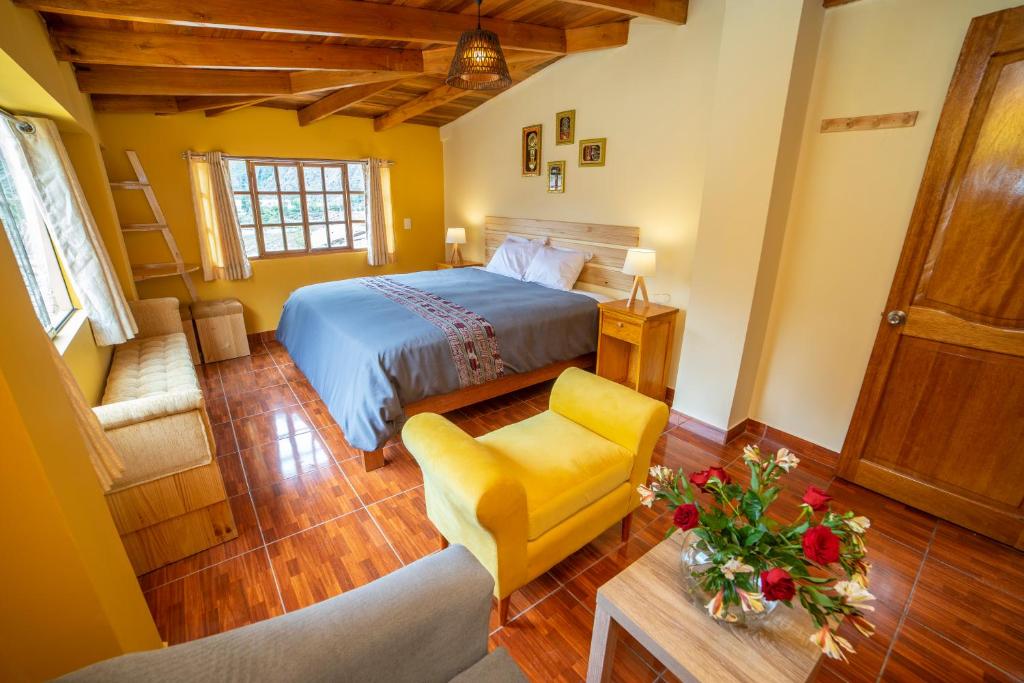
(425, 622)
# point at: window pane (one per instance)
(315, 207)
(356, 179)
(243, 208)
(313, 177)
(296, 237)
(335, 207)
(33, 250)
(270, 212)
(265, 180)
(332, 177)
(239, 175)
(339, 237)
(318, 236)
(252, 249)
(273, 239)
(358, 235)
(292, 204)
(289, 177)
(358, 202)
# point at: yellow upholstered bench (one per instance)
(528, 495)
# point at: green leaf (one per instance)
(750, 505)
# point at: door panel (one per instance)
(940, 418)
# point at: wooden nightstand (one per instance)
(465, 264)
(633, 345)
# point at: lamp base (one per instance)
(638, 286)
(456, 256)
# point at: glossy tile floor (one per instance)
(313, 524)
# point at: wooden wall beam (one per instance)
(903, 119)
(349, 18)
(341, 99)
(672, 11)
(835, 3)
(126, 48)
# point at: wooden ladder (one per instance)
(149, 271)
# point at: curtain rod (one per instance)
(23, 126)
(202, 155)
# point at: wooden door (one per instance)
(939, 423)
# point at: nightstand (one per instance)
(465, 264)
(633, 345)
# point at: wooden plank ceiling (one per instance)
(382, 59)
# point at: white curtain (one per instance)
(381, 240)
(220, 242)
(72, 228)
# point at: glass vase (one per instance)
(695, 561)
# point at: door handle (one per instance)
(896, 318)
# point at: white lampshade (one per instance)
(639, 262)
(455, 236)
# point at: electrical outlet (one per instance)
(407, 224)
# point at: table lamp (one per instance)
(639, 263)
(455, 237)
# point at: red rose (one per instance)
(816, 498)
(777, 584)
(821, 545)
(700, 479)
(686, 516)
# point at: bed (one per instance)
(376, 352)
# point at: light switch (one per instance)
(407, 223)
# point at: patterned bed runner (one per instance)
(470, 337)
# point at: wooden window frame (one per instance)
(301, 165)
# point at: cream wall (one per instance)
(852, 201)
(416, 184)
(650, 98)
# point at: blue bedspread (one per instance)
(367, 356)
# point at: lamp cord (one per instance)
(478, 3)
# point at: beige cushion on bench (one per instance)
(150, 366)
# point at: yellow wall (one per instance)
(651, 99)
(853, 198)
(416, 180)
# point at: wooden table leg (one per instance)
(373, 460)
(602, 648)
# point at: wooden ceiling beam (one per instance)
(671, 11)
(138, 80)
(340, 100)
(127, 48)
(227, 109)
(599, 37)
(443, 95)
(133, 104)
(346, 18)
(197, 103)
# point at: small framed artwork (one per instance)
(556, 176)
(593, 151)
(565, 127)
(531, 150)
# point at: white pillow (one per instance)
(556, 268)
(513, 256)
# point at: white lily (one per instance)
(786, 460)
(751, 602)
(660, 473)
(735, 566)
(830, 643)
(646, 495)
(751, 454)
(716, 608)
(858, 525)
(853, 593)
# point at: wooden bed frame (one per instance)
(607, 245)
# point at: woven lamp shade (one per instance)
(479, 63)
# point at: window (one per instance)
(292, 206)
(30, 241)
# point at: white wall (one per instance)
(650, 98)
(852, 201)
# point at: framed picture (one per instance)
(531, 150)
(565, 127)
(593, 151)
(556, 176)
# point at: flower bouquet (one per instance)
(750, 562)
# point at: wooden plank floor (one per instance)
(313, 524)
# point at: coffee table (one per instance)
(648, 601)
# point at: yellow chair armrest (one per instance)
(468, 473)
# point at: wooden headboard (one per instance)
(607, 243)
